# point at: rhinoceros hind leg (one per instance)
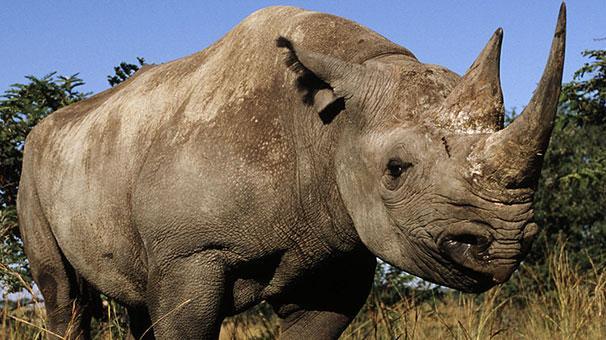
(69, 300)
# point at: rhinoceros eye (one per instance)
(395, 167)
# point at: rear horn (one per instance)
(476, 103)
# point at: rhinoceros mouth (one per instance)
(470, 255)
(467, 247)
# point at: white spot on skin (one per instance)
(298, 36)
(476, 168)
(463, 125)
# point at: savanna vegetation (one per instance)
(559, 292)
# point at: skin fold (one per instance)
(276, 165)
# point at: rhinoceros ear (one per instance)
(322, 79)
(327, 104)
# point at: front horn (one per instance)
(514, 155)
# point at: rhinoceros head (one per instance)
(432, 181)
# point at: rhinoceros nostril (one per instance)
(478, 242)
(467, 245)
(466, 248)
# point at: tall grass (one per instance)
(573, 306)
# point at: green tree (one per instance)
(584, 99)
(571, 200)
(124, 71)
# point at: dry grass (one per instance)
(574, 309)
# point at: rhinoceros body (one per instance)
(202, 186)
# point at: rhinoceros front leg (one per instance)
(186, 297)
(324, 305)
(304, 324)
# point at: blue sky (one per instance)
(90, 37)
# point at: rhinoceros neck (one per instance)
(318, 197)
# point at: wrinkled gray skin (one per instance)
(258, 171)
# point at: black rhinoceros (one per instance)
(275, 165)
